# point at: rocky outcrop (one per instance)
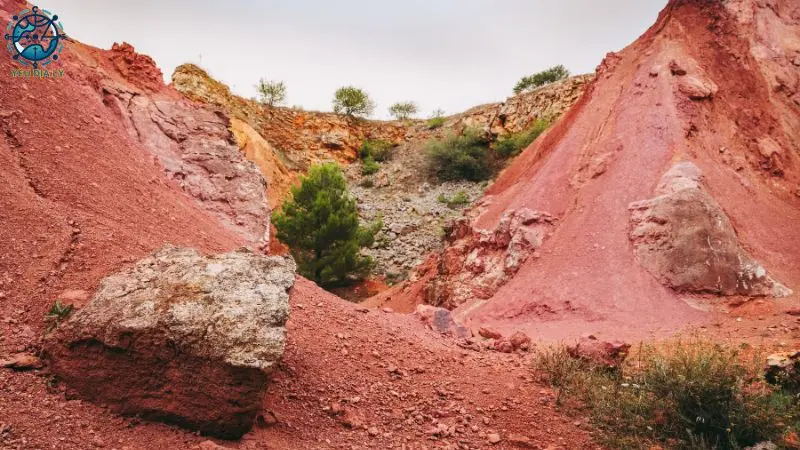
(193, 143)
(180, 338)
(476, 263)
(684, 239)
(301, 137)
(518, 112)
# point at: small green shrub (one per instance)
(542, 78)
(376, 149)
(460, 199)
(435, 123)
(460, 157)
(58, 312)
(514, 144)
(369, 167)
(687, 395)
(436, 120)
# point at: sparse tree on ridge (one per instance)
(272, 93)
(403, 110)
(353, 102)
(542, 78)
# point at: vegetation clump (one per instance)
(689, 395)
(369, 167)
(57, 313)
(459, 199)
(540, 79)
(462, 156)
(321, 227)
(352, 101)
(436, 120)
(514, 144)
(271, 93)
(403, 110)
(376, 149)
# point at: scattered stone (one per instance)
(605, 353)
(211, 445)
(22, 361)
(521, 441)
(493, 438)
(676, 69)
(697, 88)
(75, 297)
(489, 333)
(520, 341)
(180, 338)
(783, 369)
(441, 320)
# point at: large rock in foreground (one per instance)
(180, 338)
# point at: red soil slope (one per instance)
(634, 123)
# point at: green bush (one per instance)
(376, 149)
(57, 314)
(403, 110)
(542, 78)
(514, 144)
(369, 167)
(320, 225)
(687, 395)
(352, 101)
(435, 122)
(460, 199)
(460, 157)
(271, 92)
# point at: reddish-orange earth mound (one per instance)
(714, 83)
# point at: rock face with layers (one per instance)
(194, 144)
(684, 239)
(477, 263)
(181, 338)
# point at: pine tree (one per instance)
(321, 227)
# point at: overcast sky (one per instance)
(448, 54)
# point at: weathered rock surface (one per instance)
(441, 320)
(684, 239)
(193, 143)
(783, 369)
(476, 263)
(180, 338)
(603, 353)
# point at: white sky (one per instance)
(448, 54)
